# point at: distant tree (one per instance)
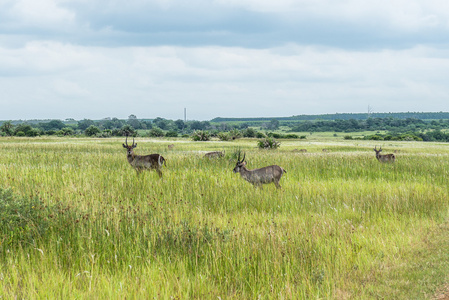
(156, 132)
(92, 130)
(52, 125)
(180, 124)
(128, 130)
(196, 125)
(161, 123)
(66, 131)
(249, 132)
(134, 122)
(7, 128)
(84, 124)
(274, 124)
(25, 130)
(172, 133)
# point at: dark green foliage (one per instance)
(344, 116)
(7, 128)
(52, 125)
(172, 133)
(249, 132)
(84, 124)
(26, 130)
(371, 124)
(156, 132)
(92, 130)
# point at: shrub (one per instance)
(249, 132)
(172, 133)
(224, 136)
(260, 135)
(235, 134)
(348, 137)
(268, 143)
(156, 132)
(200, 135)
(92, 130)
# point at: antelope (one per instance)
(215, 154)
(300, 150)
(257, 177)
(384, 158)
(171, 146)
(143, 162)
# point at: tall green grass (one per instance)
(340, 227)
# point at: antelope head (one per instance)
(129, 148)
(377, 151)
(240, 164)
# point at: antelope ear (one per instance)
(244, 163)
(135, 145)
(124, 146)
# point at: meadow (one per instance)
(82, 224)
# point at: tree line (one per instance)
(396, 128)
(371, 124)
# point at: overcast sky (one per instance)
(221, 58)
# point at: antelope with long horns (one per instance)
(143, 162)
(257, 177)
(384, 158)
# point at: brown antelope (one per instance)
(171, 146)
(300, 150)
(384, 158)
(214, 154)
(143, 162)
(257, 177)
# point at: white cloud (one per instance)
(153, 58)
(160, 81)
(37, 13)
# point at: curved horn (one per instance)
(244, 154)
(134, 144)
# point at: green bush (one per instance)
(156, 132)
(200, 135)
(92, 130)
(268, 143)
(172, 133)
(224, 136)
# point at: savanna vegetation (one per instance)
(77, 222)
(388, 127)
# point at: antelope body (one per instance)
(257, 177)
(214, 154)
(143, 162)
(384, 158)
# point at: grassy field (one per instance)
(343, 226)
